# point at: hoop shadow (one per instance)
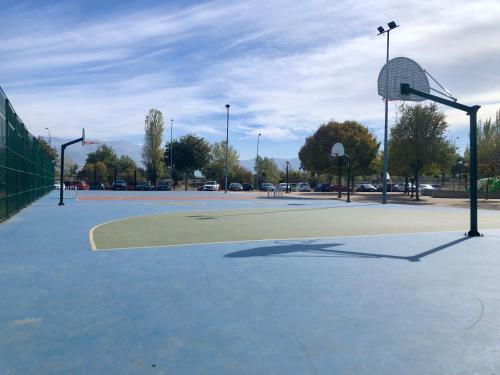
(324, 250)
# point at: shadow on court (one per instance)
(325, 250)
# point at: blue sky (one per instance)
(284, 66)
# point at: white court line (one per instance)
(279, 239)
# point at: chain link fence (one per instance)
(26, 171)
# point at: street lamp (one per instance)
(392, 25)
(227, 144)
(50, 138)
(256, 159)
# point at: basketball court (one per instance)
(195, 283)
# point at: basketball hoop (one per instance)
(337, 150)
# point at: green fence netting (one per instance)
(26, 171)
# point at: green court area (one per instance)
(279, 223)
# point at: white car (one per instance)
(303, 186)
(211, 186)
(57, 185)
(426, 187)
(401, 187)
(282, 186)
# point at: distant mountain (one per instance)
(78, 153)
(281, 163)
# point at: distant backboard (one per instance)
(337, 150)
(402, 70)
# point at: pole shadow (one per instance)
(324, 250)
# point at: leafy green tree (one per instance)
(96, 172)
(127, 168)
(241, 174)
(106, 155)
(152, 153)
(419, 137)
(51, 151)
(215, 168)
(190, 153)
(488, 147)
(358, 142)
(267, 169)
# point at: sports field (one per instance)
(203, 283)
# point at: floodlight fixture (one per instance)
(392, 25)
(380, 30)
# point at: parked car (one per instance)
(164, 186)
(81, 185)
(436, 186)
(426, 188)
(390, 188)
(342, 188)
(266, 186)
(211, 186)
(366, 187)
(247, 187)
(323, 187)
(144, 186)
(235, 186)
(97, 186)
(401, 187)
(283, 186)
(57, 185)
(119, 185)
(303, 186)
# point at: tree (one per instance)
(241, 174)
(191, 153)
(215, 168)
(97, 172)
(103, 153)
(152, 153)
(488, 147)
(51, 151)
(127, 167)
(70, 168)
(419, 137)
(106, 155)
(358, 142)
(267, 169)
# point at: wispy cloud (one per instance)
(284, 66)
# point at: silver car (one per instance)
(303, 186)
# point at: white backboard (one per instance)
(402, 70)
(337, 150)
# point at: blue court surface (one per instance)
(421, 303)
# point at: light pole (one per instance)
(256, 159)
(227, 144)
(392, 25)
(287, 166)
(50, 138)
(171, 154)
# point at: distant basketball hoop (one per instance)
(337, 150)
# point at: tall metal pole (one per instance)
(171, 153)
(257, 158)
(287, 164)
(386, 129)
(227, 145)
(473, 232)
(50, 137)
